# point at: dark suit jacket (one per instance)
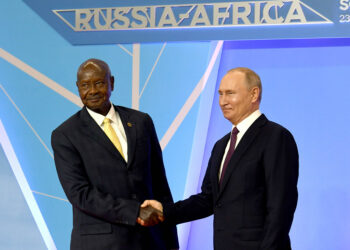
(105, 191)
(254, 207)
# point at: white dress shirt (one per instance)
(117, 125)
(242, 127)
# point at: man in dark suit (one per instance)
(109, 161)
(251, 181)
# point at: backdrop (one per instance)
(305, 85)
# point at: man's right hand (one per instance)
(151, 213)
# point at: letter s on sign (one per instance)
(344, 5)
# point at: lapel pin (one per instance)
(129, 124)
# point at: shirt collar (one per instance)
(244, 125)
(99, 118)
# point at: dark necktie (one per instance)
(230, 152)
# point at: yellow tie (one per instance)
(110, 132)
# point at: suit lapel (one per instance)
(243, 145)
(91, 129)
(130, 131)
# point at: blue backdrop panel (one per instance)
(18, 229)
(304, 89)
(168, 74)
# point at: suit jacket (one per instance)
(104, 190)
(254, 206)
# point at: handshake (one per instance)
(151, 213)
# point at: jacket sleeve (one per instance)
(81, 193)
(160, 185)
(281, 176)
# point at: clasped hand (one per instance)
(151, 213)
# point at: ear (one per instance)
(255, 92)
(112, 82)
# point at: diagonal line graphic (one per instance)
(23, 184)
(184, 16)
(26, 120)
(191, 99)
(125, 49)
(154, 66)
(316, 12)
(63, 19)
(40, 77)
(50, 196)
